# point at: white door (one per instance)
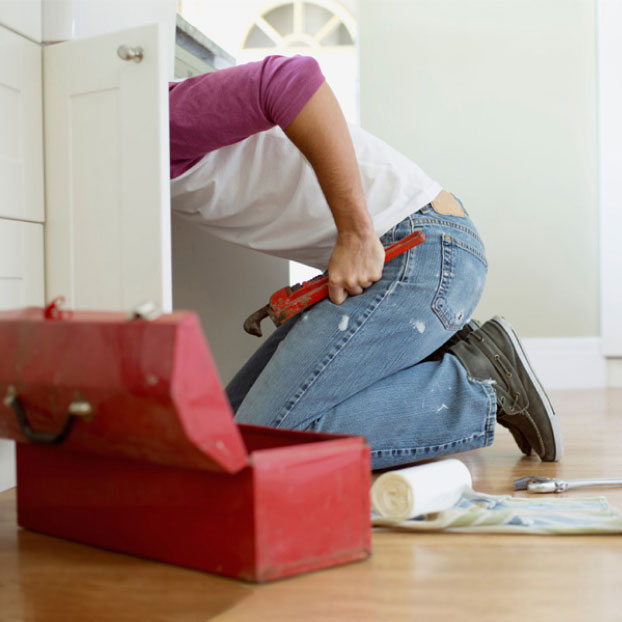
(107, 172)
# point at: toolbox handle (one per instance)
(32, 436)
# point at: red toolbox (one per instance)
(126, 441)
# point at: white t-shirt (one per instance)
(261, 193)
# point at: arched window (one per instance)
(299, 24)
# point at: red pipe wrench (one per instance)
(290, 301)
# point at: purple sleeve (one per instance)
(220, 108)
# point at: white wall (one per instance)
(496, 100)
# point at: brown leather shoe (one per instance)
(494, 352)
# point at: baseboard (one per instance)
(568, 363)
(614, 373)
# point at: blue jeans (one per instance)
(364, 367)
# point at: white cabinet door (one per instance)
(21, 146)
(107, 172)
(21, 285)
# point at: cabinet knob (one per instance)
(125, 52)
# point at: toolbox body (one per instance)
(126, 441)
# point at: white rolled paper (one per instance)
(417, 490)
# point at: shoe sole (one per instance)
(548, 407)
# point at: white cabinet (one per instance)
(21, 153)
(107, 172)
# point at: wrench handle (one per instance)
(401, 246)
(289, 301)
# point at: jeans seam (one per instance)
(471, 250)
(446, 276)
(329, 358)
(434, 221)
(429, 448)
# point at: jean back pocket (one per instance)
(463, 274)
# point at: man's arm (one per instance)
(220, 108)
(321, 133)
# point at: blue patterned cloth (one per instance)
(477, 512)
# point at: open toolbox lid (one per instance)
(106, 384)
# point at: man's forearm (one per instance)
(321, 133)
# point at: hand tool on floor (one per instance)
(553, 484)
(289, 301)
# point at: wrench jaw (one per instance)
(286, 303)
(252, 324)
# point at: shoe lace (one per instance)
(514, 403)
(506, 371)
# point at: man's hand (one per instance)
(356, 262)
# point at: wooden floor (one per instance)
(409, 577)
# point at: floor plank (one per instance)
(449, 576)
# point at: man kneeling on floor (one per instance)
(261, 156)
